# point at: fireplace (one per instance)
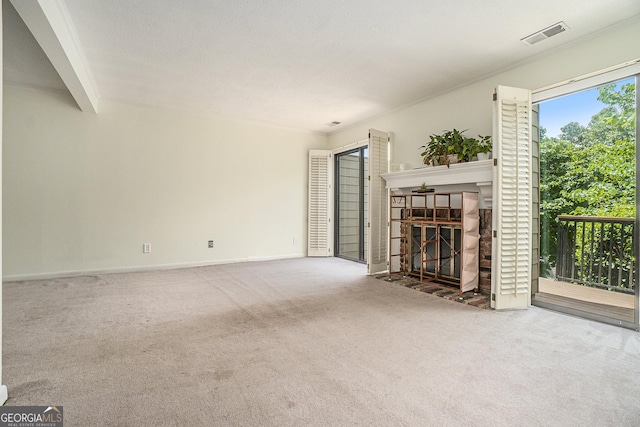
(427, 242)
(442, 251)
(435, 238)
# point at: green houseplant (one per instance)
(442, 149)
(423, 188)
(471, 147)
(452, 146)
(484, 146)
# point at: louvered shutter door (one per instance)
(378, 202)
(319, 231)
(535, 195)
(470, 274)
(512, 199)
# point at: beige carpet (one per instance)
(305, 342)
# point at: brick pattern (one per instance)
(470, 298)
(485, 251)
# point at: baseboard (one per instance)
(134, 269)
(4, 395)
(378, 273)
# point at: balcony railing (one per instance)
(597, 252)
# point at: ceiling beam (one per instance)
(50, 24)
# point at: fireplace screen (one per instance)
(435, 237)
(441, 255)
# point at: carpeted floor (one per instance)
(305, 342)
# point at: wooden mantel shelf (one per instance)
(472, 176)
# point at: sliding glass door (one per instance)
(588, 206)
(351, 204)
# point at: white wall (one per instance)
(470, 107)
(83, 192)
(3, 388)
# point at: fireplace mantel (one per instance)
(469, 176)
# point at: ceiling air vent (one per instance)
(332, 124)
(551, 31)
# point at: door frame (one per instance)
(347, 149)
(612, 74)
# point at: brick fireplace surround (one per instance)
(473, 176)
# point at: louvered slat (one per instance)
(319, 242)
(512, 215)
(378, 201)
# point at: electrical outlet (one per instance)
(210, 243)
(295, 241)
(146, 248)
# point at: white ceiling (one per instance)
(298, 64)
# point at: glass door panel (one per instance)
(351, 204)
(588, 218)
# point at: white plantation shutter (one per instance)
(470, 274)
(378, 202)
(535, 195)
(319, 239)
(512, 194)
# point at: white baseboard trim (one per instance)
(141, 268)
(378, 273)
(4, 395)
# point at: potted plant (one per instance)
(424, 189)
(434, 152)
(443, 149)
(484, 147)
(472, 147)
(452, 147)
(468, 149)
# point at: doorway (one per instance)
(351, 199)
(588, 209)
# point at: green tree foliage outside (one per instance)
(589, 170)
